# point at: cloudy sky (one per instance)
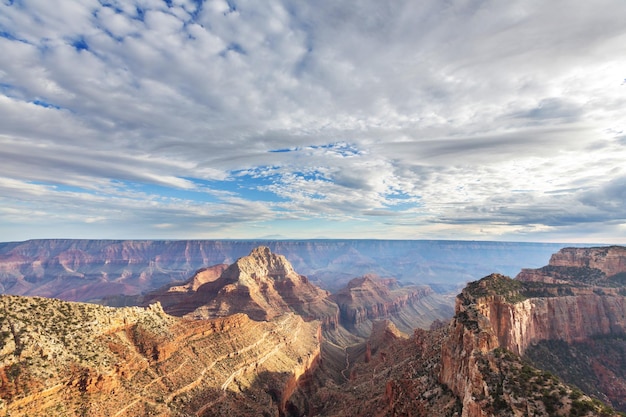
(430, 119)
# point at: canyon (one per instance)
(255, 337)
(264, 284)
(88, 270)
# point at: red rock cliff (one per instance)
(371, 298)
(570, 318)
(498, 312)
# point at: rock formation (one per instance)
(73, 359)
(175, 298)
(456, 369)
(576, 298)
(86, 270)
(370, 298)
(262, 285)
(603, 266)
(263, 351)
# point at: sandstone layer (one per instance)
(369, 298)
(578, 298)
(73, 359)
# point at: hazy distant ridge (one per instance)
(88, 269)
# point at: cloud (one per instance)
(429, 118)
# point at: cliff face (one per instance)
(71, 359)
(571, 318)
(601, 266)
(578, 298)
(471, 337)
(370, 298)
(610, 260)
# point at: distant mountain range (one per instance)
(83, 270)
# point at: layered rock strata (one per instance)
(72, 359)
(570, 300)
(600, 266)
(84, 270)
(370, 298)
(263, 285)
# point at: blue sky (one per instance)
(465, 119)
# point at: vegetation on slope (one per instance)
(596, 366)
(498, 285)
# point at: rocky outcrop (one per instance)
(611, 260)
(599, 266)
(570, 300)
(262, 285)
(175, 298)
(71, 359)
(471, 337)
(370, 298)
(570, 318)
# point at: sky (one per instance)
(242, 119)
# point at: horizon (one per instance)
(191, 119)
(315, 239)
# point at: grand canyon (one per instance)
(255, 335)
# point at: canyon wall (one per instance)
(83, 270)
(370, 298)
(470, 337)
(570, 318)
(611, 260)
(480, 360)
(578, 296)
(71, 359)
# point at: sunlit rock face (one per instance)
(602, 266)
(73, 359)
(578, 298)
(262, 285)
(570, 318)
(610, 260)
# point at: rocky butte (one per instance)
(366, 299)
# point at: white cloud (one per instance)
(418, 118)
